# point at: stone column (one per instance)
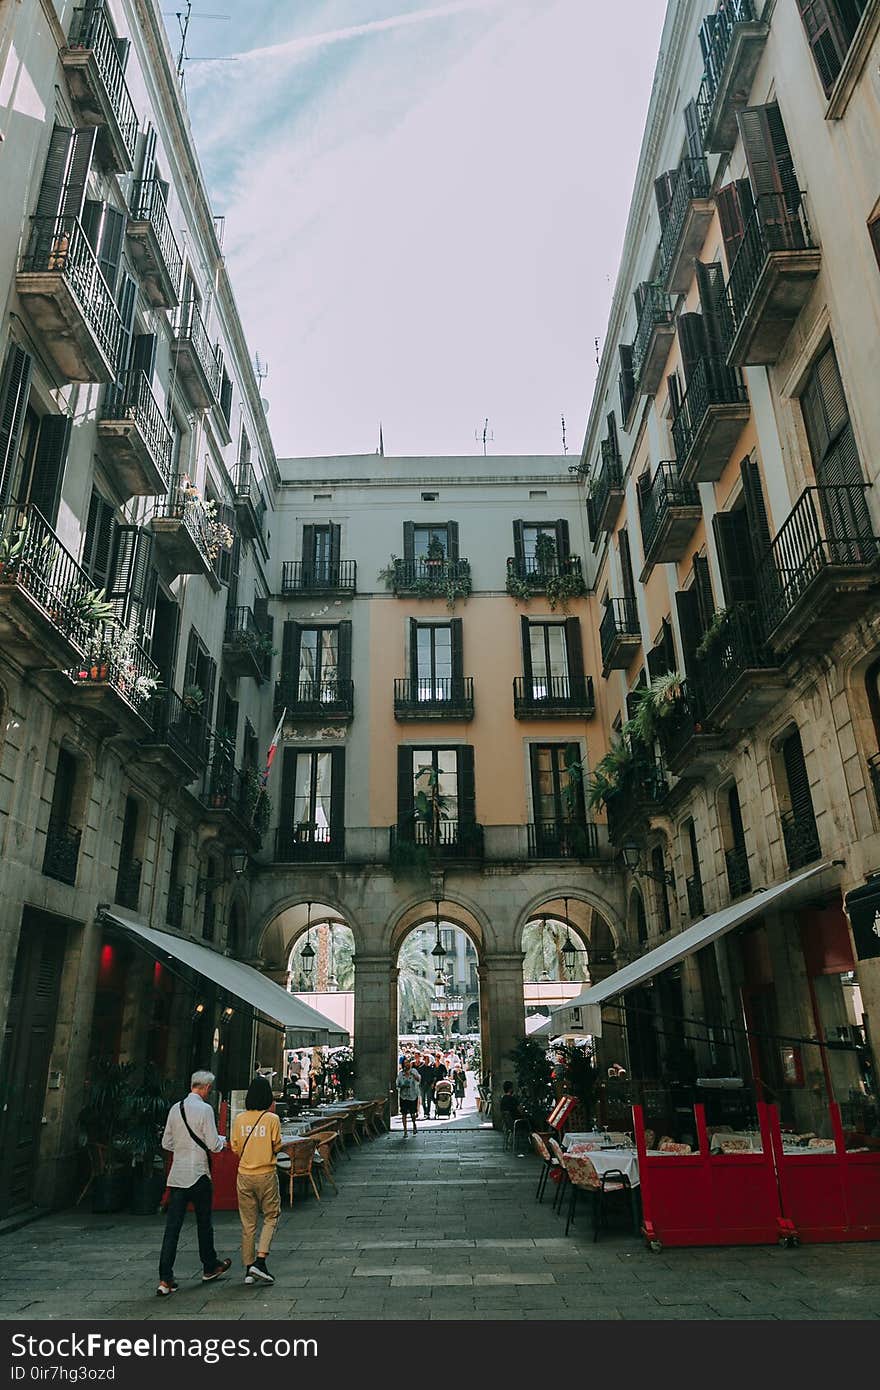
(270, 1041)
(375, 1026)
(502, 1015)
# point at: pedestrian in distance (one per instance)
(428, 1075)
(191, 1136)
(256, 1138)
(408, 1083)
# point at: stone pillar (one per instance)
(502, 1015)
(375, 1026)
(270, 1041)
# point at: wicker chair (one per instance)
(302, 1157)
(347, 1129)
(379, 1123)
(324, 1140)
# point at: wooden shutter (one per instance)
(210, 681)
(690, 627)
(14, 388)
(457, 642)
(337, 796)
(563, 549)
(734, 556)
(668, 641)
(577, 811)
(759, 527)
(290, 639)
(98, 546)
(143, 356)
(525, 633)
(409, 542)
(226, 397)
(797, 778)
(148, 154)
(108, 244)
(413, 630)
(405, 806)
(734, 204)
(737, 830)
(703, 586)
(535, 769)
(467, 803)
(674, 393)
(125, 303)
(692, 342)
(144, 580)
(452, 540)
(190, 669)
(664, 187)
(716, 320)
(611, 422)
(63, 189)
(287, 794)
(626, 382)
(693, 133)
(574, 651)
(657, 662)
(592, 528)
(49, 465)
(626, 569)
(308, 552)
(771, 168)
(828, 44)
(640, 294)
(343, 650)
(226, 515)
(223, 703)
(122, 569)
(261, 611)
(519, 544)
(335, 546)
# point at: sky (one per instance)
(425, 203)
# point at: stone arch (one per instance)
(272, 945)
(420, 911)
(580, 922)
(637, 917)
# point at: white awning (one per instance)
(242, 981)
(572, 1020)
(690, 940)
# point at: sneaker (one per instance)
(259, 1271)
(166, 1287)
(222, 1267)
(248, 1276)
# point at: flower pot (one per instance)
(110, 1192)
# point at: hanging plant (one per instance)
(657, 702)
(562, 588)
(609, 772)
(716, 634)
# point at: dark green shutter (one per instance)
(290, 639)
(703, 586)
(467, 802)
(414, 655)
(626, 382)
(409, 542)
(148, 154)
(457, 643)
(759, 527)
(693, 133)
(797, 778)
(452, 540)
(287, 797)
(574, 808)
(664, 187)
(575, 653)
(405, 806)
(626, 569)
(49, 465)
(337, 796)
(119, 587)
(66, 173)
(735, 557)
(668, 641)
(261, 611)
(690, 628)
(343, 651)
(592, 529)
(210, 680)
(109, 248)
(125, 303)
(691, 341)
(519, 543)
(308, 553)
(335, 547)
(674, 391)
(563, 548)
(14, 389)
(192, 659)
(143, 356)
(535, 770)
(525, 632)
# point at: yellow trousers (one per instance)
(258, 1195)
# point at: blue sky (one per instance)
(425, 203)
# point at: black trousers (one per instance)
(201, 1195)
(427, 1090)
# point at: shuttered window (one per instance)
(556, 796)
(68, 161)
(735, 556)
(626, 382)
(834, 453)
(626, 569)
(768, 156)
(800, 800)
(43, 465)
(14, 388)
(99, 540)
(104, 227)
(830, 27)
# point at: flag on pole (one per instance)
(273, 747)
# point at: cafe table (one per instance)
(607, 1160)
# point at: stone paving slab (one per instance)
(444, 1228)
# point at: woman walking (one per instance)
(256, 1138)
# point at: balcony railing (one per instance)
(228, 789)
(542, 696)
(179, 728)
(35, 564)
(174, 906)
(190, 333)
(128, 883)
(563, 840)
(640, 792)
(133, 400)
(874, 773)
(606, 488)
(59, 246)
(801, 839)
(438, 697)
(696, 904)
(712, 383)
(183, 505)
(718, 88)
(310, 844)
(431, 578)
(329, 699)
(656, 313)
(620, 623)
(245, 647)
(307, 577)
(658, 503)
(684, 733)
(739, 878)
(828, 530)
(538, 573)
(62, 851)
(90, 31)
(453, 839)
(770, 278)
(148, 205)
(691, 181)
(119, 664)
(739, 648)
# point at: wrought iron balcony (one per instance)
(549, 697)
(874, 773)
(250, 504)
(606, 487)
(450, 839)
(563, 840)
(136, 437)
(619, 634)
(687, 221)
(152, 244)
(97, 82)
(731, 61)
(329, 701)
(61, 854)
(669, 510)
(440, 697)
(43, 593)
(822, 569)
(639, 794)
(696, 905)
(801, 839)
(653, 339)
(231, 797)
(324, 577)
(740, 679)
(428, 578)
(182, 534)
(198, 365)
(69, 300)
(771, 278)
(310, 844)
(244, 645)
(128, 883)
(739, 878)
(117, 679)
(547, 575)
(690, 743)
(174, 906)
(710, 420)
(178, 734)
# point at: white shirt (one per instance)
(190, 1160)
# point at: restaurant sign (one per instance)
(863, 909)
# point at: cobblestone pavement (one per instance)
(441, 1226)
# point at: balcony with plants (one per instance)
(49, 609)
(178, 732)
(674, 711)
(558, 577)
(739, 677)
(93, 64)
(620, 636)
(822, 570)
(309, 843)
(250, 504)
(246, 648)
(136, 437)
(564, 839)
(669, 510)
(152, 245)
(605, 488)
(710, 420)
(234, 800)
(771, 278)
(197, 362)
(117, 679)
(654, 334)
(631, 784)
(433, 698)
(430, 576)
(329, 700)
(732, 40)
(188, 535)
(438, 828)
(688, 215)
(66, 296)
(300, 578)
(553, 697)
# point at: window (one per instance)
(312, 808)
(557, 796)
(835, 456)
(98, 544)
(318, 657)
(429, 541)
(733, 839)
(312, 802)
(128, 877)
(694, 880)
(831, 27)
(200, 670)
(315, 662)
(658, 869)
(799, 832)
(320, 555)
(432, 659)
(435, 795)
(62, 835)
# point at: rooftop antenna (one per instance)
(183, 18)
(564, 440)
(596, 345)
(381, 449)
(485, 434)
(261, 369)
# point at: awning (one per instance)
(572, 1020)
(692, 939)
(242, 981)
(863, 908)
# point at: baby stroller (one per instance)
(444, 1100)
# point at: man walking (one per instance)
(191, 1136)
(407, 1084)
(428, 1074)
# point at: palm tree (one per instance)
(340, 957)
(414, 980)
(542, 943)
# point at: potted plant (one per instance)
(193, 699)
(545, 555)
(343, 1066)
(436, 557)
(145, 1108)
(12, 544)
(577, 1072)
(534, 1080)
(102, 1122)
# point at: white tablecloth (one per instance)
(604, 1160)
(583, 1137)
